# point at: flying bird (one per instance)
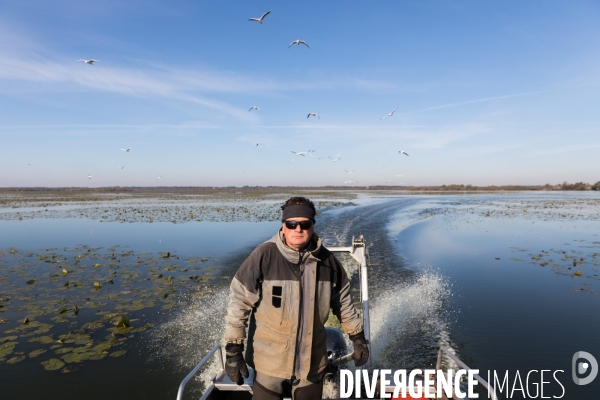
(298, 42)
(390, 114)
(313, 115)
(91, 62)
(122, 167)
(260, 144)
(260, 20)
(403, 152)
(159, 177)
(126, 150)
(335, 159)
(400, 175)
(253, 108)
(300, 153)
(350, 172)
(89, 176)
(350, 182)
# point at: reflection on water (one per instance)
(525, 279)
(483, 274)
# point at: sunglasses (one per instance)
(304, 225)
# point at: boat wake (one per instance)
(190, 333)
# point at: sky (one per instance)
(484, 93)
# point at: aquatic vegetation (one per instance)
(72, 305)
(197, 206)
(483, 213)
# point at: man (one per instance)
(289, 283)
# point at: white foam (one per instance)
(407, 311)
(192, 332)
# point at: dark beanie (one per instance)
(298, 210)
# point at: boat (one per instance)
(220, 387)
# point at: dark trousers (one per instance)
(271, 388)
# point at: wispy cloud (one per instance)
(463, 103)
(490, 149)
(416, 136)
(25, 61)
(566, 149)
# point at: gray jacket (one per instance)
(290, 294)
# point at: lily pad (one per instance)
(53, 364)
(104, 346)
(36, 353)
(15, 359)
(69, 369)
(7, 348)
(142, 328)
(42, 339)
(118, 353)
(64, 350)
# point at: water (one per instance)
(439, 283)
(517, 304)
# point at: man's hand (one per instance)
(361, 350)
(235, 365)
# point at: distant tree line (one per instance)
(200, 189)
(573, 186)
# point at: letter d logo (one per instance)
(582, 367)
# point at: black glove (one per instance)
(235, 363)
(361, 350)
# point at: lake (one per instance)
(509, 281)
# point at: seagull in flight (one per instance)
(91, 62)
(350, 182)
(335, 159)
(159, 177)
(122, 167)
(400, 175)
(350, 172)
(313, 115)
(126, 150)
(260, 144)
(253, 108)
(89, 176)
(298, 42)
(403, 152)
(390, 114)
(300, 153)
(260, 20)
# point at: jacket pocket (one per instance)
(275, 303)
(272, 351)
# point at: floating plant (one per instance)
(81, 308)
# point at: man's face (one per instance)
(298, 238)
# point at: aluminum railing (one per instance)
(359, 252)
(216, 349)
(446, 350)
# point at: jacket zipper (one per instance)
(299, 318)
